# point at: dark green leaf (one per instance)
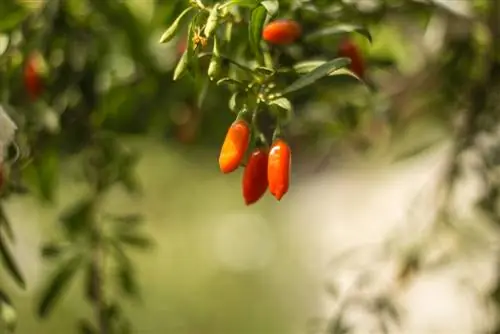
(135, 240)
(255, 31)
(10, 264)
(57, 284)
(8, 314)
(265, 71)
(78, 217)
(92, 287)
(86, 327)
(47, 173)
(202, 92)
(236, 101)
(13, 14)
(242, 3)
(317, 74)
(272, 7)
(125, 272)
(338, 30)
(281, 105)
(230, 82)
(51, 250)
(174, 27)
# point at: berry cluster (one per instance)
(265, 167)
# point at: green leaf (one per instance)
(340, 30)
(78, 217)
(317, 74)
(8, 314)
(86, 327)
(236, 101)
(271, 6)
(57, 284)
(174, 27)
(212, 21)
(52, 251)
(242, 3)
(125, 272)
(182, 66)
(10, 264)
(47, 173)
(232, 61)
(282, 104)
(307, 66)
(91, 281)
(265, 71)
(214, 67)
(135, 240)
(130, 220)
(16, 14)
(257, 21)
(202, 92)
(230, 82)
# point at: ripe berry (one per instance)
(32, 80)
(282, 32)
(234, 147)
(278, 168)
(255, 176)
(350, 50)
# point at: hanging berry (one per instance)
(278, 168)
(32, 79)
(350, 50)
(255, 176)
(282, 32)
(235, 145)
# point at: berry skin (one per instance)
(234, 147)
(32, 80)
(255, 177)
(350, 50)
(282, 32)
(278, 168)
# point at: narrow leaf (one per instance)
(338, 30)
(212, 21)
(255, 31)
(78, 217)
(10, 264)
(282, 104)
(86, 327)
(135, 240)
(51, 250)
(58, 283)
(230, 82)
(174, 27)
(181, 67)
(272, 7)
(317, 74)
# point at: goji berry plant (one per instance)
(262, 75)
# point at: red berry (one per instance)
(350, 50)
(255, 177)
(278, 168)
(32, 80)
(282, 32)
(234, 147)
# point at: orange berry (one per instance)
(32, 80)
(278, 168)
(282, 32)
(350, 50)
(255, 177)
(234, 146)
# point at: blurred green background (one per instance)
(360, 158)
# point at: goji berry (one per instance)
(32, 80)
(278, 168)
(255, 176)
(234, 147)
(281, 32)
(350, 50)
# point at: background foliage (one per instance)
(108, 101)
